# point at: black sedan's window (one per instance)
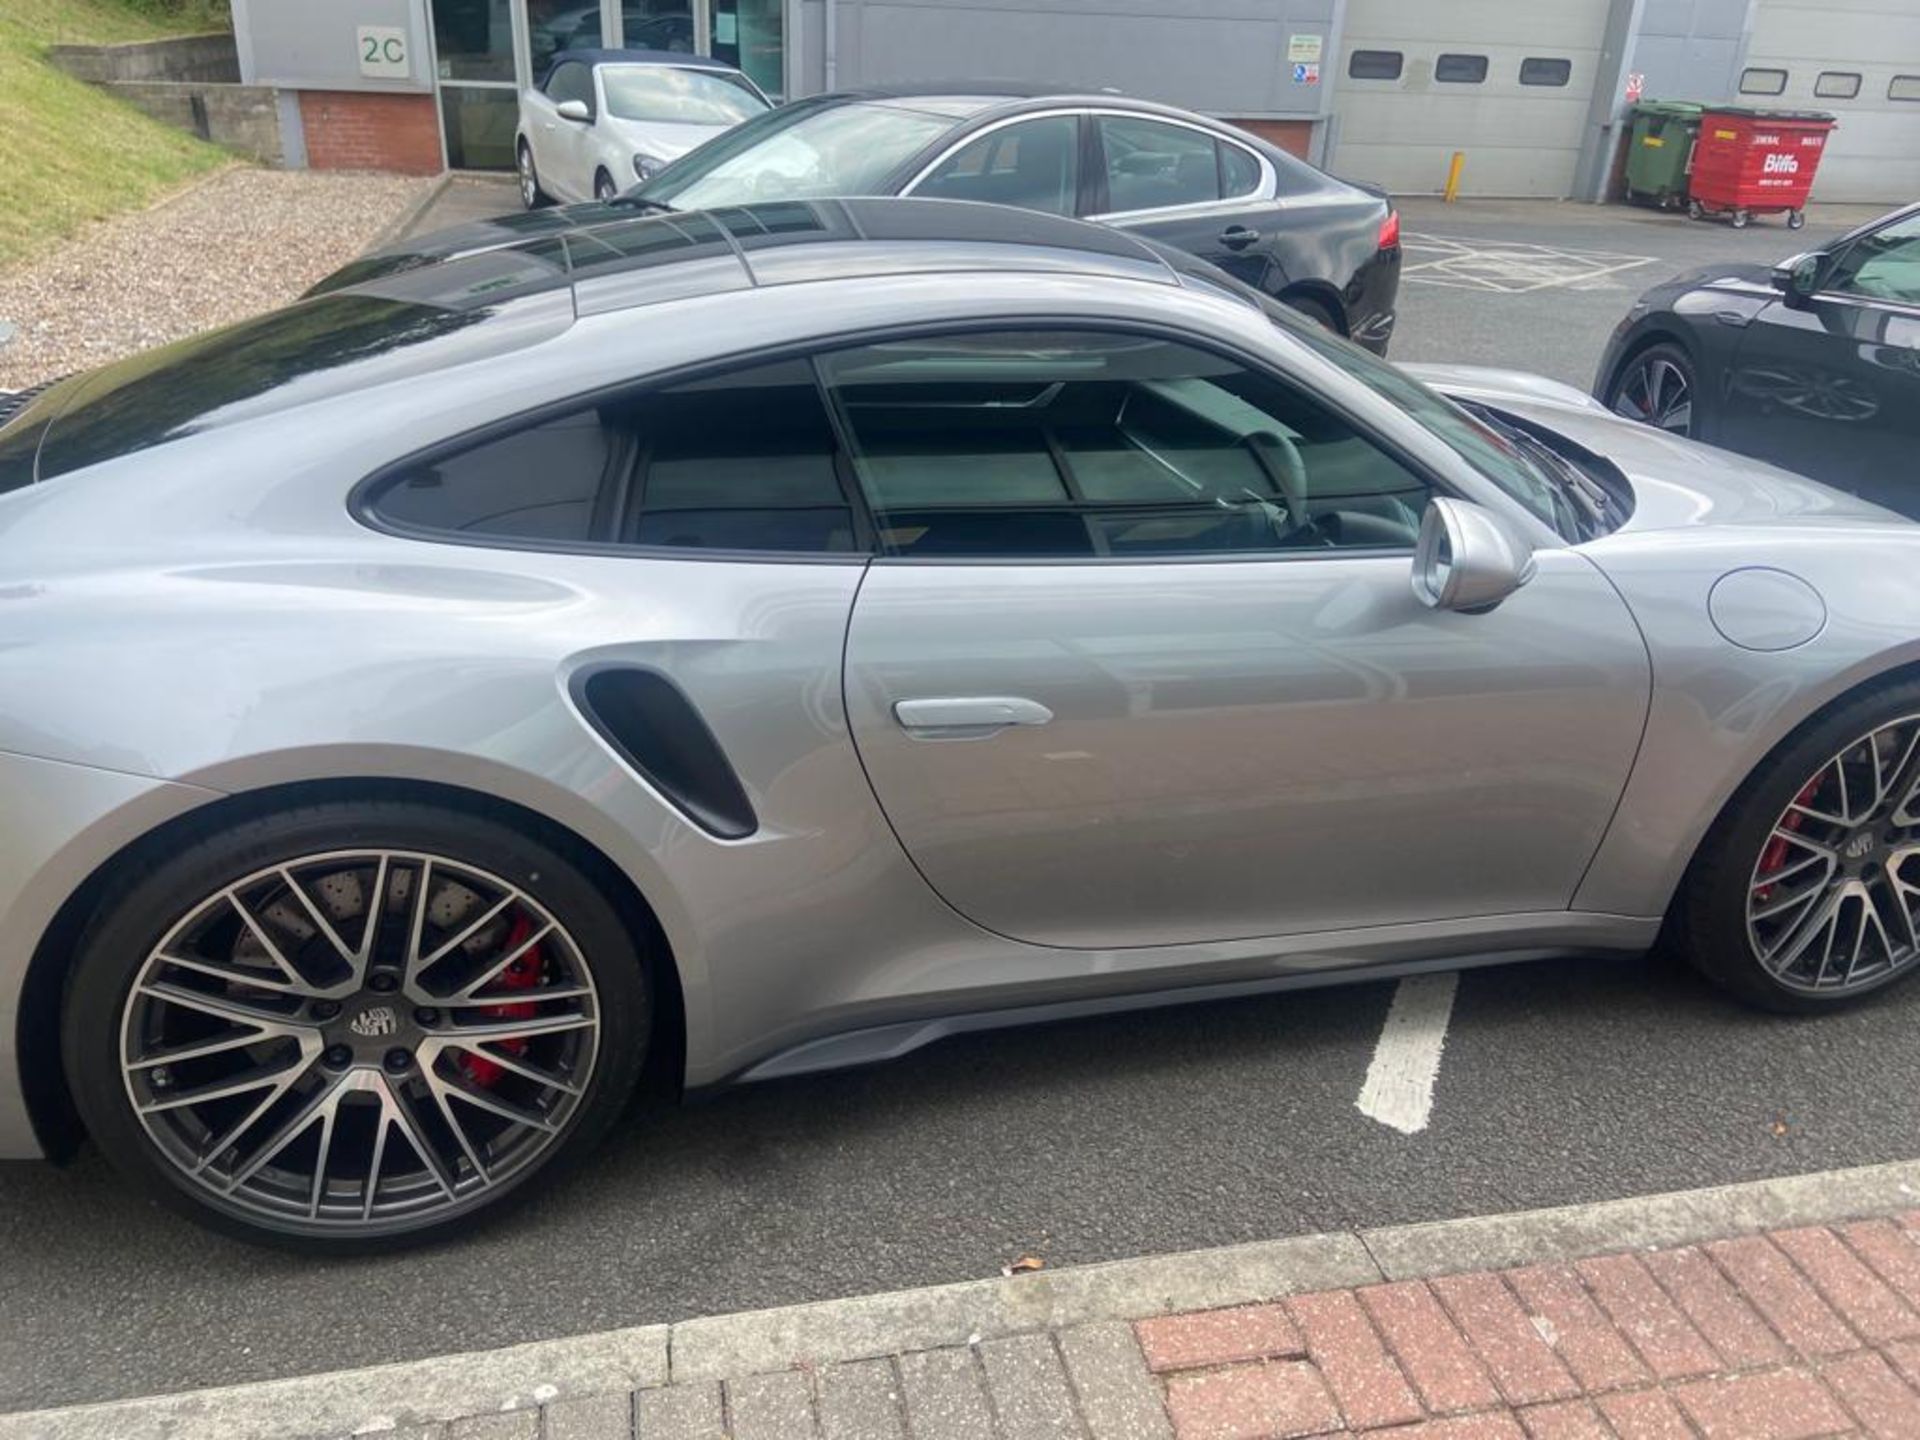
(1034, 164)
(737, 462)
(1023, 445)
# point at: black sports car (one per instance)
(1814, 364)
(1327, 248)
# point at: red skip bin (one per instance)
(1756, 162)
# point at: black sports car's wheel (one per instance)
(603, 187)
(531, 195)
(1656, 387)
(1807, 892)
(353, 1025)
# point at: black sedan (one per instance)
(1327, 248)
(1814, 364)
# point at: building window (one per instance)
(1460, 69)
(1904, 87)
(1374, 65)
(1763, 82)
(1837, 85)
(1545, 70)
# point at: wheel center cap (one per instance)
(1861, 847)
(375, 1022)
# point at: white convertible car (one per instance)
(601, 120)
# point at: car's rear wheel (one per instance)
(353, 1025)
(531, 195)
(1656, 387)
(1807, 893)
(1317, 311)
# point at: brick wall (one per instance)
(1293, 136)
(349, 131)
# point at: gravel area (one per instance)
(242, 242)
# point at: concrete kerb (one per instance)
(383, 1398)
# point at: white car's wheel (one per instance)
(531, 195)
(603, 187)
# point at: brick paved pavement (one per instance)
(1792, 1334)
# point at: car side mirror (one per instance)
(1799, 278)
(573, 110)
(1468, 558)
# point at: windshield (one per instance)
(674, 95)
(1497, 453)
(801, 152)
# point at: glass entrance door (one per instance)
(751, 34)
(474, 65)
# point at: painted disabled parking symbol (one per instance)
(1509, 267)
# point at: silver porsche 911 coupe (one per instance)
(770, 639)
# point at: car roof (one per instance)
(446, 312)
(675, 58)
(967, 98)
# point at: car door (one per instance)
(1139, 662)
(1829, 384)
(570, 142)
(1187, 187)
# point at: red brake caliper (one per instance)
(1774, 857)
(522, 974)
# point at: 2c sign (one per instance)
(383, 52)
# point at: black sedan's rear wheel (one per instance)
(353, 1024)
(1807, 894)
(1657, 388)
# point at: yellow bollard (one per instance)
(1453, 176)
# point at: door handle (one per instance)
(967, 717)
(1238, 237)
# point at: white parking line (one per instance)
(1399, 1087)
(1510, 267)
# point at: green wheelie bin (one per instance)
(1659, 147)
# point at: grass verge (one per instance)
(69, 153)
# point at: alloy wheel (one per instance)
(1656, 391)
(529, 182)
(1834, 899)
(359, 1038)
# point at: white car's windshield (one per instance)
(675, 95)
(798, 154)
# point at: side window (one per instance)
(1375, 65)
(1034, 164)
(1460, 69)
(1151, 165)
(1029, 444)
(1239, 172)
(571, 81)
(743, 461)
(1545, 70)
(1883, 266)
(681, 468)
(540, 483)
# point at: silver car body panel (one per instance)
(320, 649)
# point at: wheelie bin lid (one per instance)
(1683, 109)
(1755, 112)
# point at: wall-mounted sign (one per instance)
(1304, 48)
(1636, 86)
(1307, 74)
(383, 52)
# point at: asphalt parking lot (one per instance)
(1144, 1134)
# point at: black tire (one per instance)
(1741, 219)
(146, 904)
(1318, 311)
(532, 196)
(603, 187)
(1644, 398)
(1796, 219)
(1711, 916)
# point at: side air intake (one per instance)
(658, 732)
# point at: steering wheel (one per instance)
(1279, 460)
